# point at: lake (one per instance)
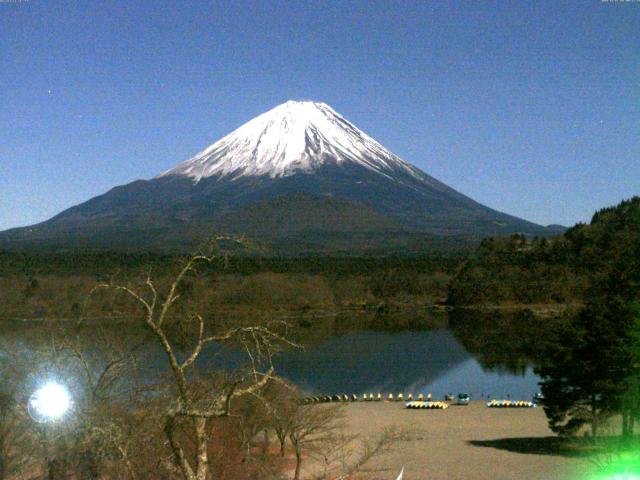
(410, 362)
(419, 352)
(479, 354)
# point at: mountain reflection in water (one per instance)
(473, 353)
(410, 362)
(480, 354)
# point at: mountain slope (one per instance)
(300, 169)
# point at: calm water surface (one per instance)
(410, 362)
(466, 354)
(432, 359)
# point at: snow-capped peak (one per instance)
(296, 136)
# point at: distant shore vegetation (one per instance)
(514, 271)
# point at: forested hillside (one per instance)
(516, 270)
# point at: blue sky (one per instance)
(532, 108)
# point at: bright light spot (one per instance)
(49, 402)
(621, 469)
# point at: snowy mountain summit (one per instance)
(290, 138)
(300, 179)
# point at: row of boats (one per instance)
(367, 398)
(421, 401)
(510, 404)
(427, 405)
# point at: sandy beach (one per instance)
(472, 441)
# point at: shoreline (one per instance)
(541, 310)
(471, 441)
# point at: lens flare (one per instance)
(619, 476)
(50, 402)
(625, 466)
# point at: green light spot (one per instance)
(619, 467)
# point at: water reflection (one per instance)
(373, 361)
(502, 342)
(411, 362)
(478, 353)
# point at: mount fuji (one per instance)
(299, 178)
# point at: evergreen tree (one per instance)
(589, 368)
(592, 367)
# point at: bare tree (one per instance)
(252, 419)
(283, 407)
(345, 457)
(98, 371)
(191, 403)
(311, 427)
(104, 367)
(316, 431)
(15, 454)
